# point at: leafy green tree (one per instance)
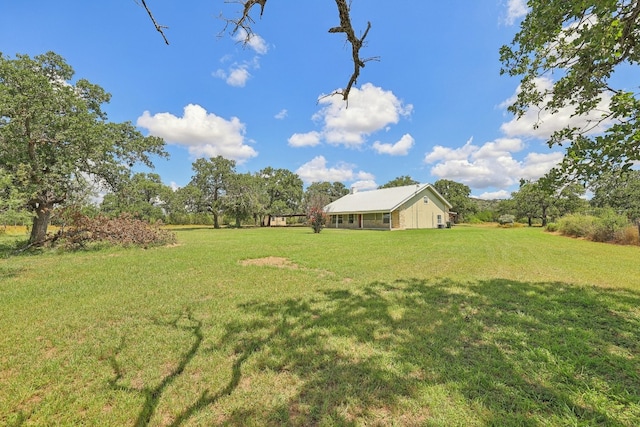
(242, 197)
(458, 195)
(620, 192)
(283, 191)
(53, 133)
(570, 199)
(182, 207)
(545, 200)
(400, 181)
(143, 195)
(320, 194)
(532, 200)
(211, 178)
(584, 44)
(12, 207)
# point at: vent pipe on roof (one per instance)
(354, 190)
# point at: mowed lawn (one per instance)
(472, 326)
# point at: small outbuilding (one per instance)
(397, 208)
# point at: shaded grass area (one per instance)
(469, 327)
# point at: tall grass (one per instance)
(467, 326)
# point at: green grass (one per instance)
(471, 326)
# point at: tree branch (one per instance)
(159, 28)
(356, 44)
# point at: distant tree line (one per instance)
(216, 195)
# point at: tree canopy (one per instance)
(581, 44)
(400, 181)
(620, 192)
(54, 135)
(458, 195)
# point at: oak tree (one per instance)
(54, 135)
(282, 190)
(211, 179)
(458, 195)
(400, 181)
(582, 45)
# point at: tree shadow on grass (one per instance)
(152, 395)
(411, 352)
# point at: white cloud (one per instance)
(203, 134)
(494, 164)
(369, 110)
(309, 139)
(400, 148)
(239, 73)
(494, 195)
(238, 76)
(364, 185)
(281, 114)
(445, 153)
(489, 165)
(542, 124)
(536, 165)
(516, 9)
(316, 170)
(254, 41)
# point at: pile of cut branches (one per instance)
(124, 230)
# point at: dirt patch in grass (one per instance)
(281, 262)
(272, 261)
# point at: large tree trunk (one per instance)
(216, 224)
(40, 223)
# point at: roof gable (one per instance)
(381, 200)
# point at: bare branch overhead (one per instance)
(159, 28)
(245, 21)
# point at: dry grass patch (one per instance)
(272, 261)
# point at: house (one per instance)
(398, 208)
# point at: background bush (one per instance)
(605, 226)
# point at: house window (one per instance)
(385, 218)
(439, 219)
(339, 219)
(351, 218)
(425, 199)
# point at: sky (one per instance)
(431, 104)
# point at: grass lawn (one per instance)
(471, 326)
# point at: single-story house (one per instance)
(398, 208)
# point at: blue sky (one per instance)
(432, 107)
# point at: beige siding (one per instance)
(415, 213)
(395, 219)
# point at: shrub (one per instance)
(606, 225)
(316, 218)
(552, 227)
(627, 236)
(506, 220)
(602, 228)
(576, 225)
(482, 216)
